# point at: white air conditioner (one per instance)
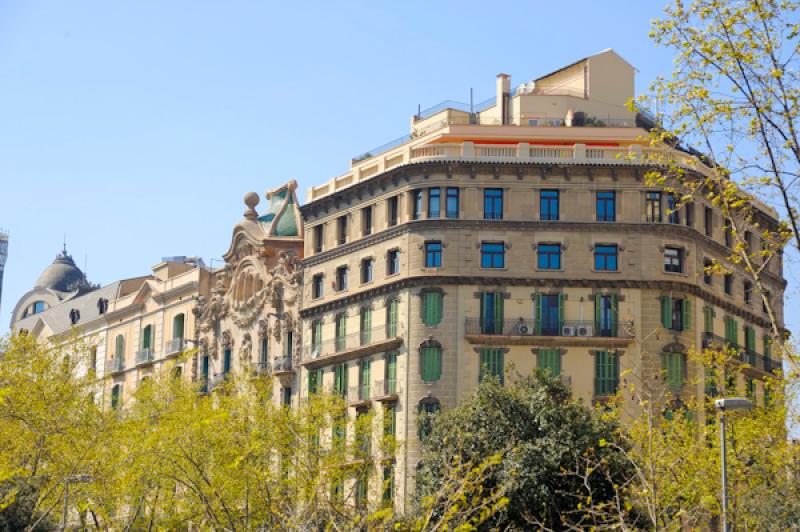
(585, 330)
(315, 353)
(567, 330)
(524, 330)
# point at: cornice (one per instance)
(439, 280)
(662, 229)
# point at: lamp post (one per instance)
(67, 481)
(731, 403)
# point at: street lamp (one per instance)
(731, 403)
(67, 481)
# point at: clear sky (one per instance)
(136, 127)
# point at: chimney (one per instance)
(503, 96)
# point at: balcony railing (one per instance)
(355, 340)
(261, 367)
(381, 390)
(176, 345)
(386, 387)
(742, 354)
(359, 393)
(282, 365)
(145, 356)
(117, 364)
(523, 327)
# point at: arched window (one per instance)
(430, 365)
(116, 396)
(427, 408)
(119, 345)
(177, 326)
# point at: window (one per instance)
(341, 331)
(767, 346)
(605, 257)
(688, 208)
(606, 373)
(316, 286)
(708, 320)
(341, 229)
(674, 366)
(728, 235)
(708, 221)
(750, 344)
(493, 204)
(364, 379)
(673, 214)
(341, 278)
(675, 313)
(315, 381)
(748, 242)
(318, 237)
(427, 408)
(286, 396)
(606, 208)
(74, 316)
(116, 396)
(728, 283)
(549, 310)
(433, 254)
(366, 221)
(102, 305)
(673, 260)
(417, 214)
(93, 358)
(393, 204)
(708, 275)
(731, 331)
(493, 255)
(316, 337)
(119, 344)
(393, 262)
(204, 372)
(434, 202)
(548, 205)
(387, 495)
(147, 338)
(391, 317)
(365, 325)
(548, 256)
(263, 357)
(606, 312)
(390, 373)
(431, 361)
(492, 307)
(432, 303)
(340, 379)
(451, 203)
(226, 361)
(35, 308)
(178, 323)
(491, 361)
(748, 292)
(549, 361)
(653, 206)
(366, 270)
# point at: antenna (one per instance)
(65, 243)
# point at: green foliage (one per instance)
(546, 440)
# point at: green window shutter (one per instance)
(492, 364)
(767, 347)
(499, 301)
(115, 396)
(538, 301)
(365, 379)
(687, 314)
(146, 337)
(561, 298)
(734, 331)
(177, 326)
(312, 382)
(708, 320)
(365, 324)
(431, 364)
(675, 366)
(439, 305)
(614, 314)
(606, 373)
(750, 338)
(666, 311)
(316, 341)
(549, 360)
(120, 346)
(391, 319)
(391, 372)
(432, 308)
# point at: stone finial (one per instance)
(251, 199)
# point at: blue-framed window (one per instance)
(493, 255)
(433, 254)
(434, 202)
(451, 202)
(548, 256)
(493, 204)
(548, 205)
(605, 257)
(607, 206)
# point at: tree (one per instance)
(541, 433)
(733, 94)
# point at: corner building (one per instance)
(518, 235)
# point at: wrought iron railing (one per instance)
(282, 365)
(355, 340)
(386, 387)
(175, 345)
(528, 327)
(145, 356)
(747, 356)
(117, 364)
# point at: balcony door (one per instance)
(549, 314)
(492, 313)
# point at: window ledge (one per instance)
(549, 270)
(392, 274)
(677, 274)
(606, 271)
(494, 269)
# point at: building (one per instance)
(3, 258)
(514, 234)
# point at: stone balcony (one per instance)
(567, 333)
(352, 346)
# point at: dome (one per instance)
(62, 275)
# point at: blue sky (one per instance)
(135, 128)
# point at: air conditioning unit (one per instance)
(567, 330)
(585, 330)
(524, 330)
(314, 354)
